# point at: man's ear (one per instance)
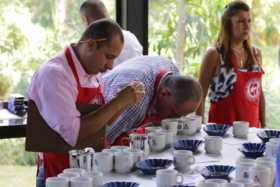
(164, 92)
(91, 44)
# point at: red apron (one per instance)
(243, 102)
(147, 119)
(55, 163)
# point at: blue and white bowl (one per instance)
(216, 129)
(252, 150)
(188, 144)
(150, 166)
(217, 171)
(267, 134)
(121, 184)
(182, 185)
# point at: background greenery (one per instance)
(33, 31)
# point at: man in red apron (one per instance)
(167, 94)
(72, 78)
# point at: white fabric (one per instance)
(54, 90)
(131, 48)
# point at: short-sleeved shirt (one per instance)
(131, 48)
(144, 69)
(54, 91)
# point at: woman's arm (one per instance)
(208, 69)
(262, 114)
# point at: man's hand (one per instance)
(133, 93)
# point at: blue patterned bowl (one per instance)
(216, 129)
(267, 134)
(182, 185)
(150, 166)
(121, 184)
(188, 144)
(253, 150)
(217, 171)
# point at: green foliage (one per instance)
(5, 85)
(13, 153)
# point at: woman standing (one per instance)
(232, 72)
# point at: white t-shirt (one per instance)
(131, 48)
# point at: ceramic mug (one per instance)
(168, 177)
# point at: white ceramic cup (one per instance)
(97, 178)
(208, 184)
(240, 129)
(244, 171)
(78, 171)
(245, 160)
(262, 175)
(104, 161)
(123, 162)
(169, 137)
(168, 177)
(213, 144)
(271, 149)
(157, 141)
(183, 159)
(119, 148)
(268, 162)
(57, 182)
(170, 125)
(68, 176)
(137, 156)
(233, 184)
(151, 129)
(217, 181)
(247, 183)
(188, 126)
(81, 182)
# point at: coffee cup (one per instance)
(183, 159)
(57, 182)
(245, 172)
(213, 144)
(171, 125)
(123, 162)
(240, 129)
(81, 182)
(168, 177)
(151, 129)
(104, 161)
(78, 171)
(157, 141)
(97, 178)
(188, 126)
(233, 184)
(68, 176)
(262, 175)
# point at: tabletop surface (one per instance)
(228, 156)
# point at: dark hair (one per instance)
(94, 9)
(224, 39)
(184, 88)
(102, 29)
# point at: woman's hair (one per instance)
(224, 39)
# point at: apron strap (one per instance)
(72, 66)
